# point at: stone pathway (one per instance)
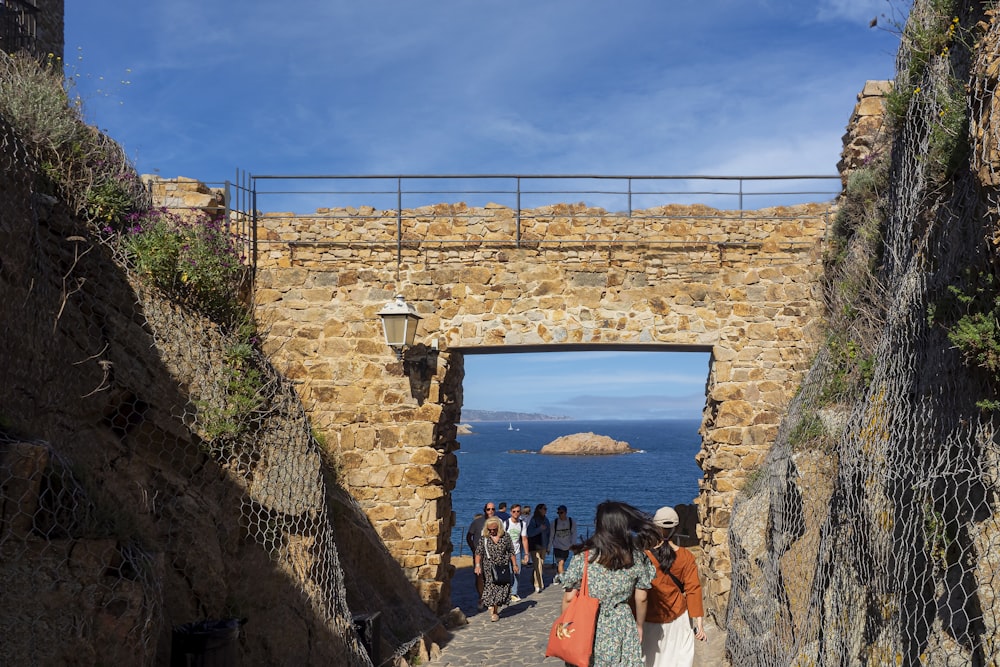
(518, 639)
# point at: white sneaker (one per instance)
(537, 589)
(557, 579)
(514, 598)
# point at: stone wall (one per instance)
(46, 26)
(741, 285)
(867, 135)
(50, 27)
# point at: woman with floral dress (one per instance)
(494, 548)
(618, 573)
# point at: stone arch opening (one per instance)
(660, 413)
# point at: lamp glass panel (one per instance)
(394, 327)
(410, 329)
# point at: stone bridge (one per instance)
(743, 285)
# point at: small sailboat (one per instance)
(510, 426)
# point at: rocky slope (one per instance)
(123, 512)
(870, 535)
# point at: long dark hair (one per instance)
(665, 554)
(619, 529)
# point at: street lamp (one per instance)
(399, 324)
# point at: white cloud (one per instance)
(627, 407)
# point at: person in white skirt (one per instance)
(675, 614)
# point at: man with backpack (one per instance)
(517, 530)
(562, 538)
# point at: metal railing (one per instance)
(632, 197)
(241, 214)
(637, 198)
(625, 194)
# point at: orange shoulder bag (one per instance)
(572, 635)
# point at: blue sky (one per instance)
(589, 385)
(642, 87)
(473, 86)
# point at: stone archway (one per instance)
(744, 285)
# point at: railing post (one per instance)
(253, 227)
(399, 224)
(517, 230)
(629, 196)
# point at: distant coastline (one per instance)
(506, 416)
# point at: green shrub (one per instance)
(808, 433)
(924, 37)
(976, 332)
(850, 372)
(861, 212)
(970, 315)
(948, 144)
(35, 102)
(194, 261)
(112, 198)
(935, 52)
(152, 246)
(243, 393)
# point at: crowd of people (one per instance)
(651, 609)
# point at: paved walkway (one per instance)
(483, 643)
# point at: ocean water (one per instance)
(664, 473)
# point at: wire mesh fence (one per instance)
(154, 467)
(870, 536)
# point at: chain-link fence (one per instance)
(154, 468)
(871, 534)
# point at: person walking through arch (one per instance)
(618, 575)
(674, 606)
(562, 538)
(495, 548)
(526, 518)
(539, 535)
(472, 537)
(517, 530)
